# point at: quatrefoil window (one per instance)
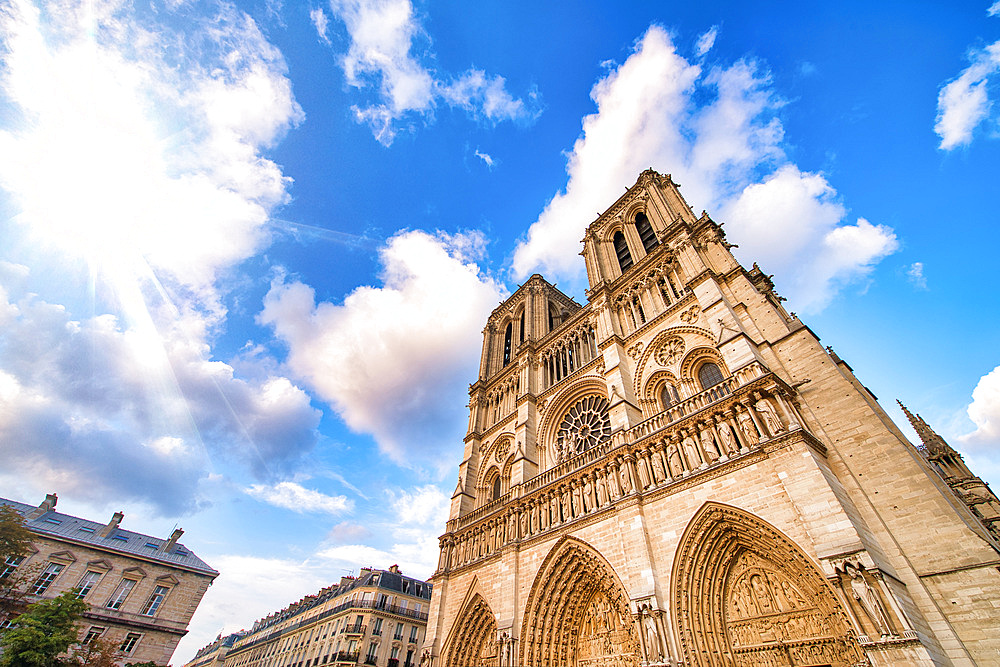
(669, 351)
(585, 425)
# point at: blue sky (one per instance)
(247, 250)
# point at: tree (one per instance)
(42, 633)
(15, 539)
(98, 652)
(15, 544)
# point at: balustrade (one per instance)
(708, 429)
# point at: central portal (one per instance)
(578, 613)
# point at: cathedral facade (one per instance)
(678, 472)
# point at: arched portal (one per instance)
(578, 613)
(743, 593)
(473, 641)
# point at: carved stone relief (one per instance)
(669, 351)
(473, 639)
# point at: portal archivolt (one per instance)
(473, 640)
(578, 613)
(744, 594)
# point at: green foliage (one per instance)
(97, 652)
(148, 663)
(14, 537)
(42, 633)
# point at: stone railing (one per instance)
(714, 428)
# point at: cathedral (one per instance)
(678, 473)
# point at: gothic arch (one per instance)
(557, 407)
(696, 358)
(578, 612)
(686, 333)
(744, 593)
(649, 401)
(472, 641)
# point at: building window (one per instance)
(413, 634)
(507, 335)
(668, 395)
(709, 375)
(131, 639)
(154, 601)
(377, 627)
(399, 631)
(117, 598)
(370, 657)
(10, 565)
(46, 578)
(646, 233)
(496, 489)
(622, 252)
(86, 584)
(92, 634)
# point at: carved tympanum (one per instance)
(745, 594)
(473, 640)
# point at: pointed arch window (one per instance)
(495, 495)
(668, 396)
(709, 375)
(622, 252)
(646, 233)
(508, 334)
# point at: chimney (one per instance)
(174, 536)
(47, 505)
(116, 519)
(394, 569)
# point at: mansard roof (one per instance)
(68, 528)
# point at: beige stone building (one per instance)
(678, 472)
(214, 654)
(142, 590)
(377, 618)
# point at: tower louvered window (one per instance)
(646, 233)
(507, 343)
(621, 250)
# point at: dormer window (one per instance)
(622, 252)
(646, 233)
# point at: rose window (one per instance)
(669, 351)
(585, 425)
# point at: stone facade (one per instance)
(678, 472)
(378, 618)
(142, 590)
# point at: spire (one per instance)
(933, 443)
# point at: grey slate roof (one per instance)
(120, 541)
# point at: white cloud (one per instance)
(915, 274)
(706, 41)
(103, 409)
(151, 136)
(994, 9)
(964, 103)
(984, 411)
(381, 57)
(394, 361)
(727, 154)
(295, 497)
(321, 22)
(485, 157)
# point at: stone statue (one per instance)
(674, 463)
(709, 447)
(602, 490)
(728, 439)
(659, 474)
(577, 500)
(771, 420)
(691, 452)
(626, 480)
(869, 600)
(588, 494)
(748, 428)
(653, 651)
(554, 507)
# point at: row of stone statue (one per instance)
(736, 429)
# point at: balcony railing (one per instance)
(347, 656)
(369, 660)
(354, 629)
